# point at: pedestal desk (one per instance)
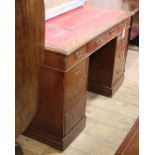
(84, 47)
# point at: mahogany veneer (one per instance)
(71, 39)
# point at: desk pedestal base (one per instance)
(60, 144)
(18, 149)
(106, 68)
(104, 90)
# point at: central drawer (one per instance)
(101, 40)
(104, 38)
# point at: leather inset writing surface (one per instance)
(69, 30)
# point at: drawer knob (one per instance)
(122, 39)
(75, 116)
(77, 73)
(78, 54)
(76, 93)
(98, 42)
(119, 56)
(118, 72)
(112, 32)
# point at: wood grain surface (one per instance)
(108, 120)
(29, 51)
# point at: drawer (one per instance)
(120, 57)
(63, 62)
(75, 95)
(76, 56)
(76, 74)
(118, 70)
(122, 41)
(74, 116)
(104, 38)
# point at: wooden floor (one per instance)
(108, 119)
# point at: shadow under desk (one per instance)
(85, 49)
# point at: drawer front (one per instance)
(118, 70)
(75, 57)
(104, 38)
(75, 95)
(62, 62)
(77, 73)
(122, 41)
(54, 60)
(74, 116)
(120, 57)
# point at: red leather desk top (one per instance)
(67, 32)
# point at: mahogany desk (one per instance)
(84, 46)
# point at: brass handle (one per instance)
(112, 32)
(119, 56)
(76, 93)
(98, 42)
(77, 73)
(78, 54)
(118, 72)
(75, 116)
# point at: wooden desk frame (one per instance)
(99, 63)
